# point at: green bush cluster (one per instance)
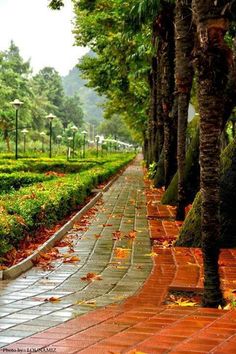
(41, 166)
(17, 180)
(44, 204)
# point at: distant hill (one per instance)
(73, 83)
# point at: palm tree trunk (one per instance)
(184, 42)
(167, 83)
(213, 66)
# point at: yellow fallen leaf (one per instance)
(71, 259)
(121, 267)
(227, 307)
(152, 254)
(192, 264)
(86, 303)
(185, 303)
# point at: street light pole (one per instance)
(84, 133)
(16, 104)
(50, 117)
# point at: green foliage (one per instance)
(14, 181)
(74, 85)
(40, 94)
(152, 170)
(56, 4)
(14, 76)
(43, 204)
(120, 69)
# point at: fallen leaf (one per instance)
(89, 303)
(71, 259)
(184, 303)
(2, 267)
(152, 254)
(91, 277)
(52, 299)
(122, 252)
(116, 235)
(132, 235)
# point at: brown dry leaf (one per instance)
(132, 235)
(45, 256)
(104, 225)
(71, 259)
(116, 235)
(122, 252)
(2, 267)
(52, 299)
(91, 277)
(97, 236)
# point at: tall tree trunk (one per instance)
(166, 32)
(154, 108)
(212, 62)
(160, 123)
(184, 42)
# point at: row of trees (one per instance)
(152, 57)
(41, 93)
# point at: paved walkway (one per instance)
(114, 309)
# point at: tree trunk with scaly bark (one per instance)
(212, 61)
(184, 42)
(166, 31)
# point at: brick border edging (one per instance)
(16, 270)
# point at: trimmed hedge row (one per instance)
(16, 180)
(46, 203)
(46, 166)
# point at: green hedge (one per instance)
(16, 180)
(46, 203)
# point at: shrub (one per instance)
(45, 203)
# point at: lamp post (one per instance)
(84, 132)
(97, 141)
(74, 130)
(24, 131)
(70, 138)
(16, 104)
(42, 135)
(50, 117)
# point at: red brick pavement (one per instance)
(143, 323)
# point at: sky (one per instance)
(42, 35)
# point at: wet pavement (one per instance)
(120, 306)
